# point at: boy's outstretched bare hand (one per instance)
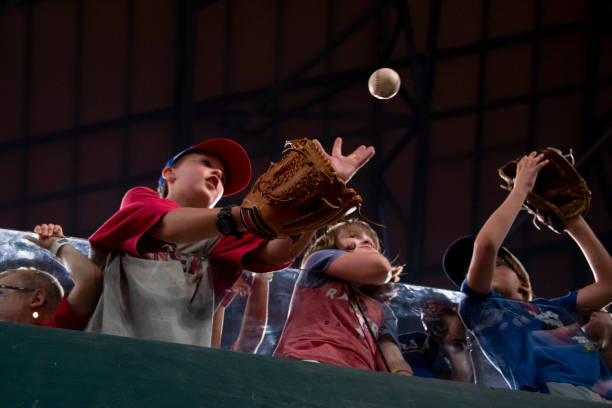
(347, 166)
(47, 234)
(527, 171)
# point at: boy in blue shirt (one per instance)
(537, 344)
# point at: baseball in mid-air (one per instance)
(384, 83)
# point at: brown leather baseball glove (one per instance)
(559, 194)
(301, 192)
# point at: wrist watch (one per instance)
(226, 223)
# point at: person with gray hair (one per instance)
(32, 296)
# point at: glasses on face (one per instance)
(16, 288)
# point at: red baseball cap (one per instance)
(235, 160)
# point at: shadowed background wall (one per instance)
(96, 96)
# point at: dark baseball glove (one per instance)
(301, 192)
(559, 194)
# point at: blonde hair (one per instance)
(329, 240)
(163, 189)
(33, 278)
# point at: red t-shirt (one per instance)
(141, 208)
(324, 323)
(64, 317)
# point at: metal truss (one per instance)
(228, 114)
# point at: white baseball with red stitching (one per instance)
(384, 83)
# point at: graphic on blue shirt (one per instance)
(533, 342)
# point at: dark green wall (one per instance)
(43, 367)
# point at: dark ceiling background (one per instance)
(95, 96)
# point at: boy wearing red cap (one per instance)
(169, 255)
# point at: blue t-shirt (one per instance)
(533, 342)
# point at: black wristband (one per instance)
(226, 223)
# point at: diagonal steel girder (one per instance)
(236, 128)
